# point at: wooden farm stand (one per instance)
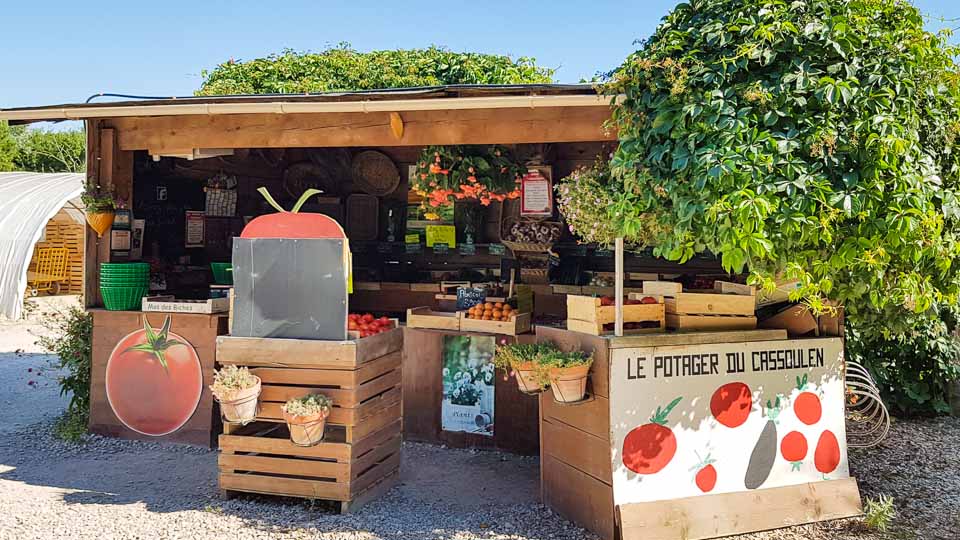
(360, 455)
(578, 458)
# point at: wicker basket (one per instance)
(524, 246)
(375, 173)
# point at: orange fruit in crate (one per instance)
(488, 307)
(486, 317)
(497, 313)
(498, 305)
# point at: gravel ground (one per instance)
(112, 489)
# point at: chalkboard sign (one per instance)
(467, 297)
(467, 249)
(603, 253)
(385, 247)
(441, 248)
(413, 248)
(497, 249)
(553, 259)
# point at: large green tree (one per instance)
(344, 68)
(809, 140)
(8, 148)
(41, 150)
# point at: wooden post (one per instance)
(618, 286)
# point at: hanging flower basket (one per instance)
(241, 406)
(306, 430)
(569, 384)
(100, 222)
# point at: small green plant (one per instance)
(231, 379)
(310, 405)
(96, 198)
(543, 357)
(71, 340)
(880, 513)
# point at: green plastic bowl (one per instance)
(222, 273)
(123, 298)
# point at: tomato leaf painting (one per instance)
(649, 448)
(154, 380)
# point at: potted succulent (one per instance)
(567, 372)
(522, 360)
(99, 206)
(306, 418)
(237, 391)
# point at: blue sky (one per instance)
(61, 51)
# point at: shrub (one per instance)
(72, 341)
(880, 513)
(803, 140)
(344, 68)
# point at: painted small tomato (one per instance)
(731, 404)
(153, 380)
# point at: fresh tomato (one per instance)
(384, 322)
(354, 317)
(649, 300)
(367, 318)
(153, 380)
(352, 325)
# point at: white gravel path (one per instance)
(114, 489)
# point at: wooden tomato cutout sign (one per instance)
(154, 380)
(292, 224)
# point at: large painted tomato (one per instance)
(154, 380)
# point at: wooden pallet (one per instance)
(360, 455)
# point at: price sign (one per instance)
(441, 248)
(412, 238)
(385, 248)
(497, 249)
(413, 248)
(441, 234)
(468, 249)
(603, 253)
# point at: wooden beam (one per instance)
(710, 516)
(91, 251)
(165, 134)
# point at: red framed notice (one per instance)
(536, 194)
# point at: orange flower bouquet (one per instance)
(446, 174)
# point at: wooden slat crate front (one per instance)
(360, 455)
(704, 310)
(586, 314)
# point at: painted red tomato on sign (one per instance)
(153, 380)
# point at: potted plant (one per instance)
(568, 373)
(522, 360)
(99, 206)
(237, 391)
(306, 418)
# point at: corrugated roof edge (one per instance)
(426, 92)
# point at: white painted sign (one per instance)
(721, 418)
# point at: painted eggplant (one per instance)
(765, 451)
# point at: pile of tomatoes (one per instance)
(491, 311)
(368, 325)
(611, 301)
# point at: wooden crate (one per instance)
(63, 231)
(705, 310)
(519, 323)
(424, 317)
(586, 314)
(360, 455)
(170, 304)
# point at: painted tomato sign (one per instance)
(153, 380)
(723, 418)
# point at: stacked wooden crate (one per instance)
(730, 306)
(587, 314)
(64, 231)
(360, 455)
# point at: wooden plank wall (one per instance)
(63, 231)
(515, 414)
(575, 465)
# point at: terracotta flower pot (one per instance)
(569, 384)
(528, 380)
(306, 430)
(100, 221)
(240, 406)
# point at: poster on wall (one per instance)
(194, 229)
(468, 382)
(536, 193)
(728, 417)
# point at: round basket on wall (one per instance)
(305, 175)
(375, 173)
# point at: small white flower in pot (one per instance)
(306, 418)
(237, 390)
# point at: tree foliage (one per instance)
(344, 68)
(40, 150)
(809, 140)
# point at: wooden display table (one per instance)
(683, 435)
(133, 396)
(360, 455)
